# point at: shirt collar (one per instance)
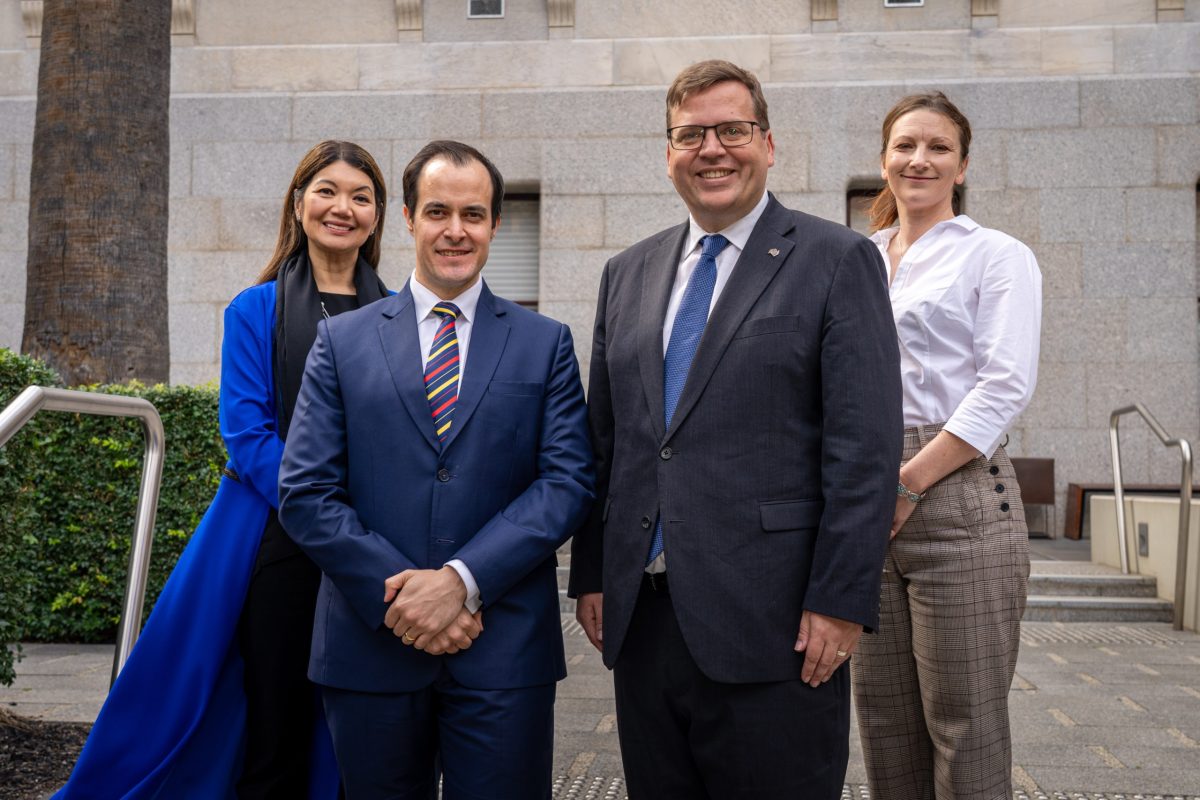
(884, 236)
(738, 233)
(424, 300)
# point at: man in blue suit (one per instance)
(437, 458)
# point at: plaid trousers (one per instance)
(931, 685)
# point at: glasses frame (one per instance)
(704, 129)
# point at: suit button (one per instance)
(1004, 506)
(443, 475)
(645, 522)
(999, 487)
(994, 469)
(666, 453)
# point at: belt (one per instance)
(656, 582)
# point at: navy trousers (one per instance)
(492, 744)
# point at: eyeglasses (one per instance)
(736, 133)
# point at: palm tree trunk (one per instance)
(96, 287)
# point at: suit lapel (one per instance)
(489, 334)
(755, 269)
(658, 275)
(402, 350)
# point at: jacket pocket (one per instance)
(791, 515)
(765, 325)
(516, 388)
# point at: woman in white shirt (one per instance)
(931, 686)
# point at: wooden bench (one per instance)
(1035, 476)
(1077, 495)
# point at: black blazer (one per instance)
(776, 481)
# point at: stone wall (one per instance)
(1087, 147)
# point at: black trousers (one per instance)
(686, 737)
(275, 636)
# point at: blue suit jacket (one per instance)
(367, 491)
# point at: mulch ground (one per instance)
(36, 757)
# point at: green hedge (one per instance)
(68, 496)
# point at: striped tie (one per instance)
(441, 370)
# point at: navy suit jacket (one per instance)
(367, 490)
(776, 479)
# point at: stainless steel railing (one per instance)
(1185, 498)
(39, 398)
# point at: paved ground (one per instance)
(1100, 711)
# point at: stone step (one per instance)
(1075, 585)
(1057, 608)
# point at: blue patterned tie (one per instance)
(442, 370)
(690, 320)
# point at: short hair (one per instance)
(706, 74)
(292, 239)
(458, 154)
(883, 212)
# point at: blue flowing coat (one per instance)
(173, 724)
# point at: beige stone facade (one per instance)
(1086, 113)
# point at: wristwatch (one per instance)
(908, 494)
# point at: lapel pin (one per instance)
(774, 251)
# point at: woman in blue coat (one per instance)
(214, 701)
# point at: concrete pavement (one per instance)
(1100, 711)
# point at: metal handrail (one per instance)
(37, 398)
(1185, 499)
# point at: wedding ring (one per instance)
(407, 639)
(842, 654)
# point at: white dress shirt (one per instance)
(427, 326)
(967, 302)
(738, 234)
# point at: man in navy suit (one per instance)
(437, 458)
(745, 411)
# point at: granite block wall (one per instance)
(1087, 147)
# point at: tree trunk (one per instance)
(96, 274)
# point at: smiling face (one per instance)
(452, 225)
(337, 210)
(719, 184)
(923, 162)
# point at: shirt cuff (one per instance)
(985, 441)
(473, 603)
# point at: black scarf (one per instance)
(297, 312)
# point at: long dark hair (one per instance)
(292, 239)
(883, 211)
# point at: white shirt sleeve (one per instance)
(473, 601)
(1006, 341)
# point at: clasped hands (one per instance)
(427, 610)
